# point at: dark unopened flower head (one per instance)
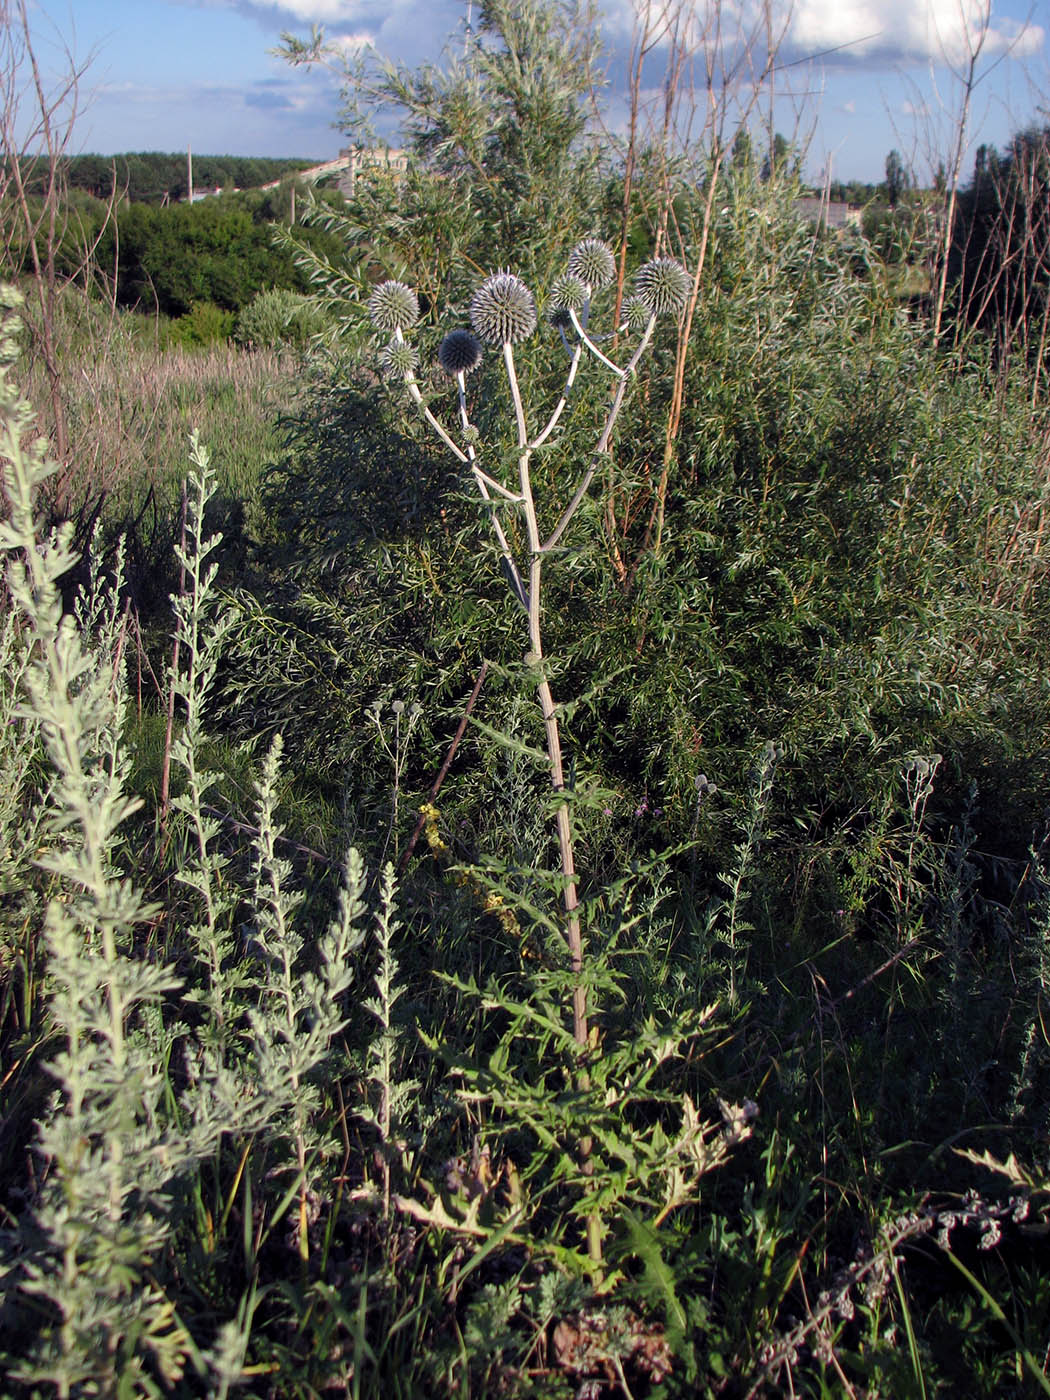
(568, 293)
(592, 262)
(503, 310)
(393, 307)
(663, 285)
(459, 353)
(398, 359)
(636, 313)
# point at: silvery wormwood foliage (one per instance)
(203, 623)
(300, 1011)
(79, 1269)
(101, 1216)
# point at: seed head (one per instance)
(663, 285)
(503, 310)
(636, 313)
(398, 359)
(459, 353)
(393, 307)
(592, 262)
(568, 293)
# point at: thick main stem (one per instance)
(552, 735)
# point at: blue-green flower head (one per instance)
(568, 293)
(459, 353)
(393, 307)
(503, 310)
(593, 263)
(663, 286)
(398, 359)
(636, 313)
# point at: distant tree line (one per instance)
(157, 177)
(1000, 259)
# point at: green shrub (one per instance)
(204, 324)
(278, 317)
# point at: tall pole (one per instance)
(189, 176)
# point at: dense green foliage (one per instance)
(311, 1127)
(166, 259)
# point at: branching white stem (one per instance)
(620, 373)
(576, 355)
(417, 399)
(484, 482)
(511, 496)
(603, 442)
(573, 935)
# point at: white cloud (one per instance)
(903, 30)
(868, 31)
(350, 43)
(399, 29)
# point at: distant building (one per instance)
(377, 161)
(830, 212)
(199, 194)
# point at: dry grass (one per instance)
(130, 407)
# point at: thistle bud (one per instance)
(459, 353)
(636, 313)
(398, 359)
(568, 293)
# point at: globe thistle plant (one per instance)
(503, 314)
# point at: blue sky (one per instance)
(164, 74)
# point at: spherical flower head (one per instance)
(459, 353)
(398, 359)
(636, 313)
(568, 293)
(592, 262)
(663, 285)
(393, 307)
(503, 310)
